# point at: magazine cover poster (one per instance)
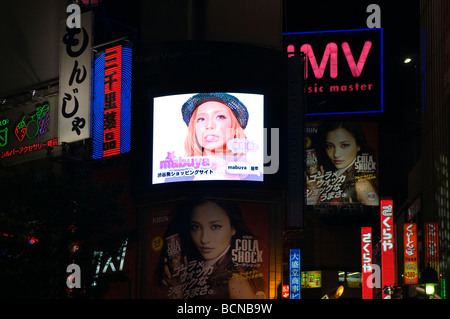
(208, 249)
(208, 136)
(341, 165)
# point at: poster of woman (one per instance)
(206, 248)
(208, 136)
(341, 163)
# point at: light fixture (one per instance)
(429, 279)
(334, 293)
(407, 60)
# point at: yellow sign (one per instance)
(312, 279)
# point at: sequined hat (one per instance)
(238, 108)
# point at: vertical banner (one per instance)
(111, 124)
(366, 262)
(411, 268)
(75, 81)
(387, 246)
(432, 245)
(294, 274)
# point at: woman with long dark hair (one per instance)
(208, 232)
(348, 168)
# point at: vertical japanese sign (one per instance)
(366, 262)
(411, 271)
(432, 244)
(111, 124)
(75, 81)
(294, 274)
(387, 246)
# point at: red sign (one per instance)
(113, 79)
(366, 261)
(285, 291)
(411, 271)
(387, 246)
(431, 244)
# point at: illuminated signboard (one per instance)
(111, 124)
(366, 261)
(411, 271)
(75, 81)
(338, 178)
(432, 244)
(208, 136)
(28, 131)
(344, 70)
(312, 279)
(387, 246)
(294, 274)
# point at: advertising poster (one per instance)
(208, 136)
(207, 249)
(341, 165)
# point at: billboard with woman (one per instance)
(341, 163)
(205, 248)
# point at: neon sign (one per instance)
(295, 274)
(411, 273)
(24, 132)
(112, 101)
(350, 84)
(387, 246)
(366, 260)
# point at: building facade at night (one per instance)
(119, 107)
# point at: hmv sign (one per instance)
(343, 70)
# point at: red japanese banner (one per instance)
(432, 244)
(366, 261)
(112, 109)
(205, 260)
(411, 267)
(387, 246)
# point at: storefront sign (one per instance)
(387, 246)
(312, 279)
(75, 81)
(294, 274)
(411, 272)
(431, 244)
(111, 130)
(366, 261)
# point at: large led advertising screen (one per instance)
(341, 166)
(207, 248)
(208, 136)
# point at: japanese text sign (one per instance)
(387, 245)
(366, 262)
(294, 274)
(75, 81)
(411, 272)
